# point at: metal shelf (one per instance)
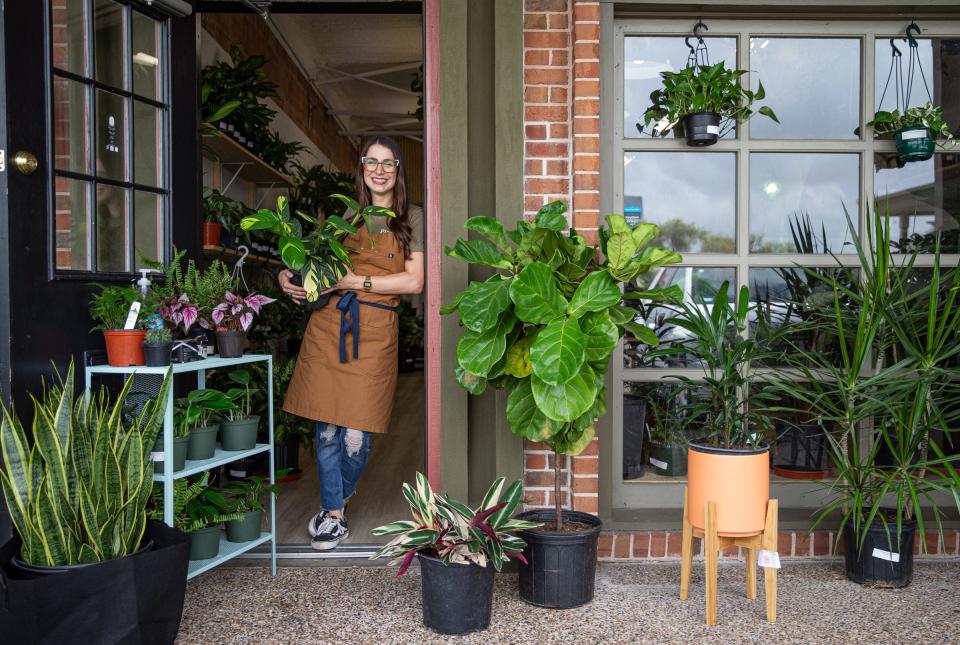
(228, 550)
(220, 458)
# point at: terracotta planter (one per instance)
(211, 233)
(737, 480)
(125, 346)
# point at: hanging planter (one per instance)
(914, 143)
(702, 128)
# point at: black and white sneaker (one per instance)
(329, 533)
(313, 526)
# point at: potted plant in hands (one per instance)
(459, 550)
(239, 430)
(110, 309)
(917, 131)
(156, 347)
(544, 327)
(246, 497)
(700, 98)
(197, 510)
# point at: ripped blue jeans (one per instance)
(342, 455)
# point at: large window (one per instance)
(734, 210)
(109, 137)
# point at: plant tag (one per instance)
(156, 456)
(913, 134)
(132, 315)
(880, 554)
(713, 129)
(238, 473)
(662, 465)
(768, 559)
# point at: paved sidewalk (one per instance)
(634, 603)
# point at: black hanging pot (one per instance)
(886, 559)
(157, 354)
(319, 303)
(914, 143)
(702, 128)
(457, 598)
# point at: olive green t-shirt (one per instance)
(414, 217)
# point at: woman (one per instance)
(346, 373)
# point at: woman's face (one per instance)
(379, 180)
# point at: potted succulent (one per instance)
(239, 430)
(667, 436)
(246, 497)
(705, 100)
(198, 510)
(543, 327)
(459, 550)
(197, 412)
(917, 131)
(156, 347)
(110, 309)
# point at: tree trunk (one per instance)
(557, 500)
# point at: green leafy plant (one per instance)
(233, 91)
(195, 505)
(545, 325)
(927, 115)
(696, 89)
(313, 187)
(162, 335)
(218, 208)
(242, 397)
(455, 533)
(279, 153)
(246, 495)
(197, 408)
(109, 306)
(78, 492)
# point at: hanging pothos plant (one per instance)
(545, 325)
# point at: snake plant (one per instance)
(79, 491)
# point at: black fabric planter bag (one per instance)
(457, 598)
(884, 561)
(561, 568)
(136, 599)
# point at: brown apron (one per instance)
(358, 393)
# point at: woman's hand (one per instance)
(297, 294)
(349, 282)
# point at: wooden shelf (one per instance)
(251, 167)
(251, 257)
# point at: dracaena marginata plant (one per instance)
(78, 492)
(455, 533)
(319, 256)
(545, 324)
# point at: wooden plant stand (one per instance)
(714, 543)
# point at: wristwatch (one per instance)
(367, 284)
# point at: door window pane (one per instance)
(646, 56)
(70, 43)
(940, 62)
(923, 198)
(690, 195)
(148, 226)
(111, 136)
(797, 201)
(71, 114)
(813, 85)
(146, 56)
(112, 229)
(109, 31)
(72, 224)
(147, 128)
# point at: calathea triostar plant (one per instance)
(544, 326)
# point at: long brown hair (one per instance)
(399, 225)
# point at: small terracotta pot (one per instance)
(737, 480)
(211, 233)
(125, 346)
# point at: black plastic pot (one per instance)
(914, 144)
(634, 413)
(457, 598)
(886, 560)
(702, 128)
(287, 454)
(230, 343)
(319, 303)
(800, 452)
(157, 354)
(670, 461)
(561, 568)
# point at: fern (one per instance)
(195, 505)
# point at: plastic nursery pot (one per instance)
(670, 461)
(319, 303)
(124, 346)
(914, 143)
(239, 435)
(203, 442)
(702, 128)
(801, 452)
(885, 560)
(157, 354)
(180, 446)
(230, 343)
(736, 479)
(246, 529)
(211, 233)
(561, 568)
(457, 598)
(205, 543)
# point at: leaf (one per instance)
(601, 336)
(597, 292)
(551, 216)
(618, 224)
(477, 353)
(292, 252)
(536, 296)
(643, 232)
(482, 303)
(518, 358)
(580, 443)
(492, 230)
(470, 382)
(478, 252)
(525, 417)
(568, 401)
(261, 220)
(350, 202)
(620, 250)
(558, 351)
(766, 111)
(642, 333)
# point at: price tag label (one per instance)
(912, 134)
(713, 129)
(888, 556)
(662, 465)
(156, 456)
(768, 559)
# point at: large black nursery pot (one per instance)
(135, 599)
(230, 343)
(457, 598)
(886, 560)
(702, 128)
(561, 568)
(914, 143)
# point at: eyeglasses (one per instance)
(389, 165)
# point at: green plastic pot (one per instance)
(670, 461)
(180, 445)
(239, 435)
(914, 143)
(246, 529)
(203, 443)
(205, 543)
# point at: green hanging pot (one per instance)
(914, 143)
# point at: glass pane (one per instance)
(798, 441)
(148, 226)
(939, 60)
(813, 85)
(147, 129)
(71, 110)
(797, 201)
(72, 224)
(697, 283)
(111, 136)
(644, 57)
(109, 32)
(923, 198)
(691, 195)
(70, 44)
(112, 228)
(146, 56)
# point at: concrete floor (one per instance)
(634, 603)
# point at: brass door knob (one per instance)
(25, 162)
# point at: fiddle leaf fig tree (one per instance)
(544, 326)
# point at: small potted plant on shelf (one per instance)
(156, 347)
(239, 430)
(216, 215)
(198, 511)
(459, 550)
(232, 317)
(110, 308)
(917, 131)
(246, 497)
(668, 440)
(197, 414)
(543, 328)
(699, 98)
